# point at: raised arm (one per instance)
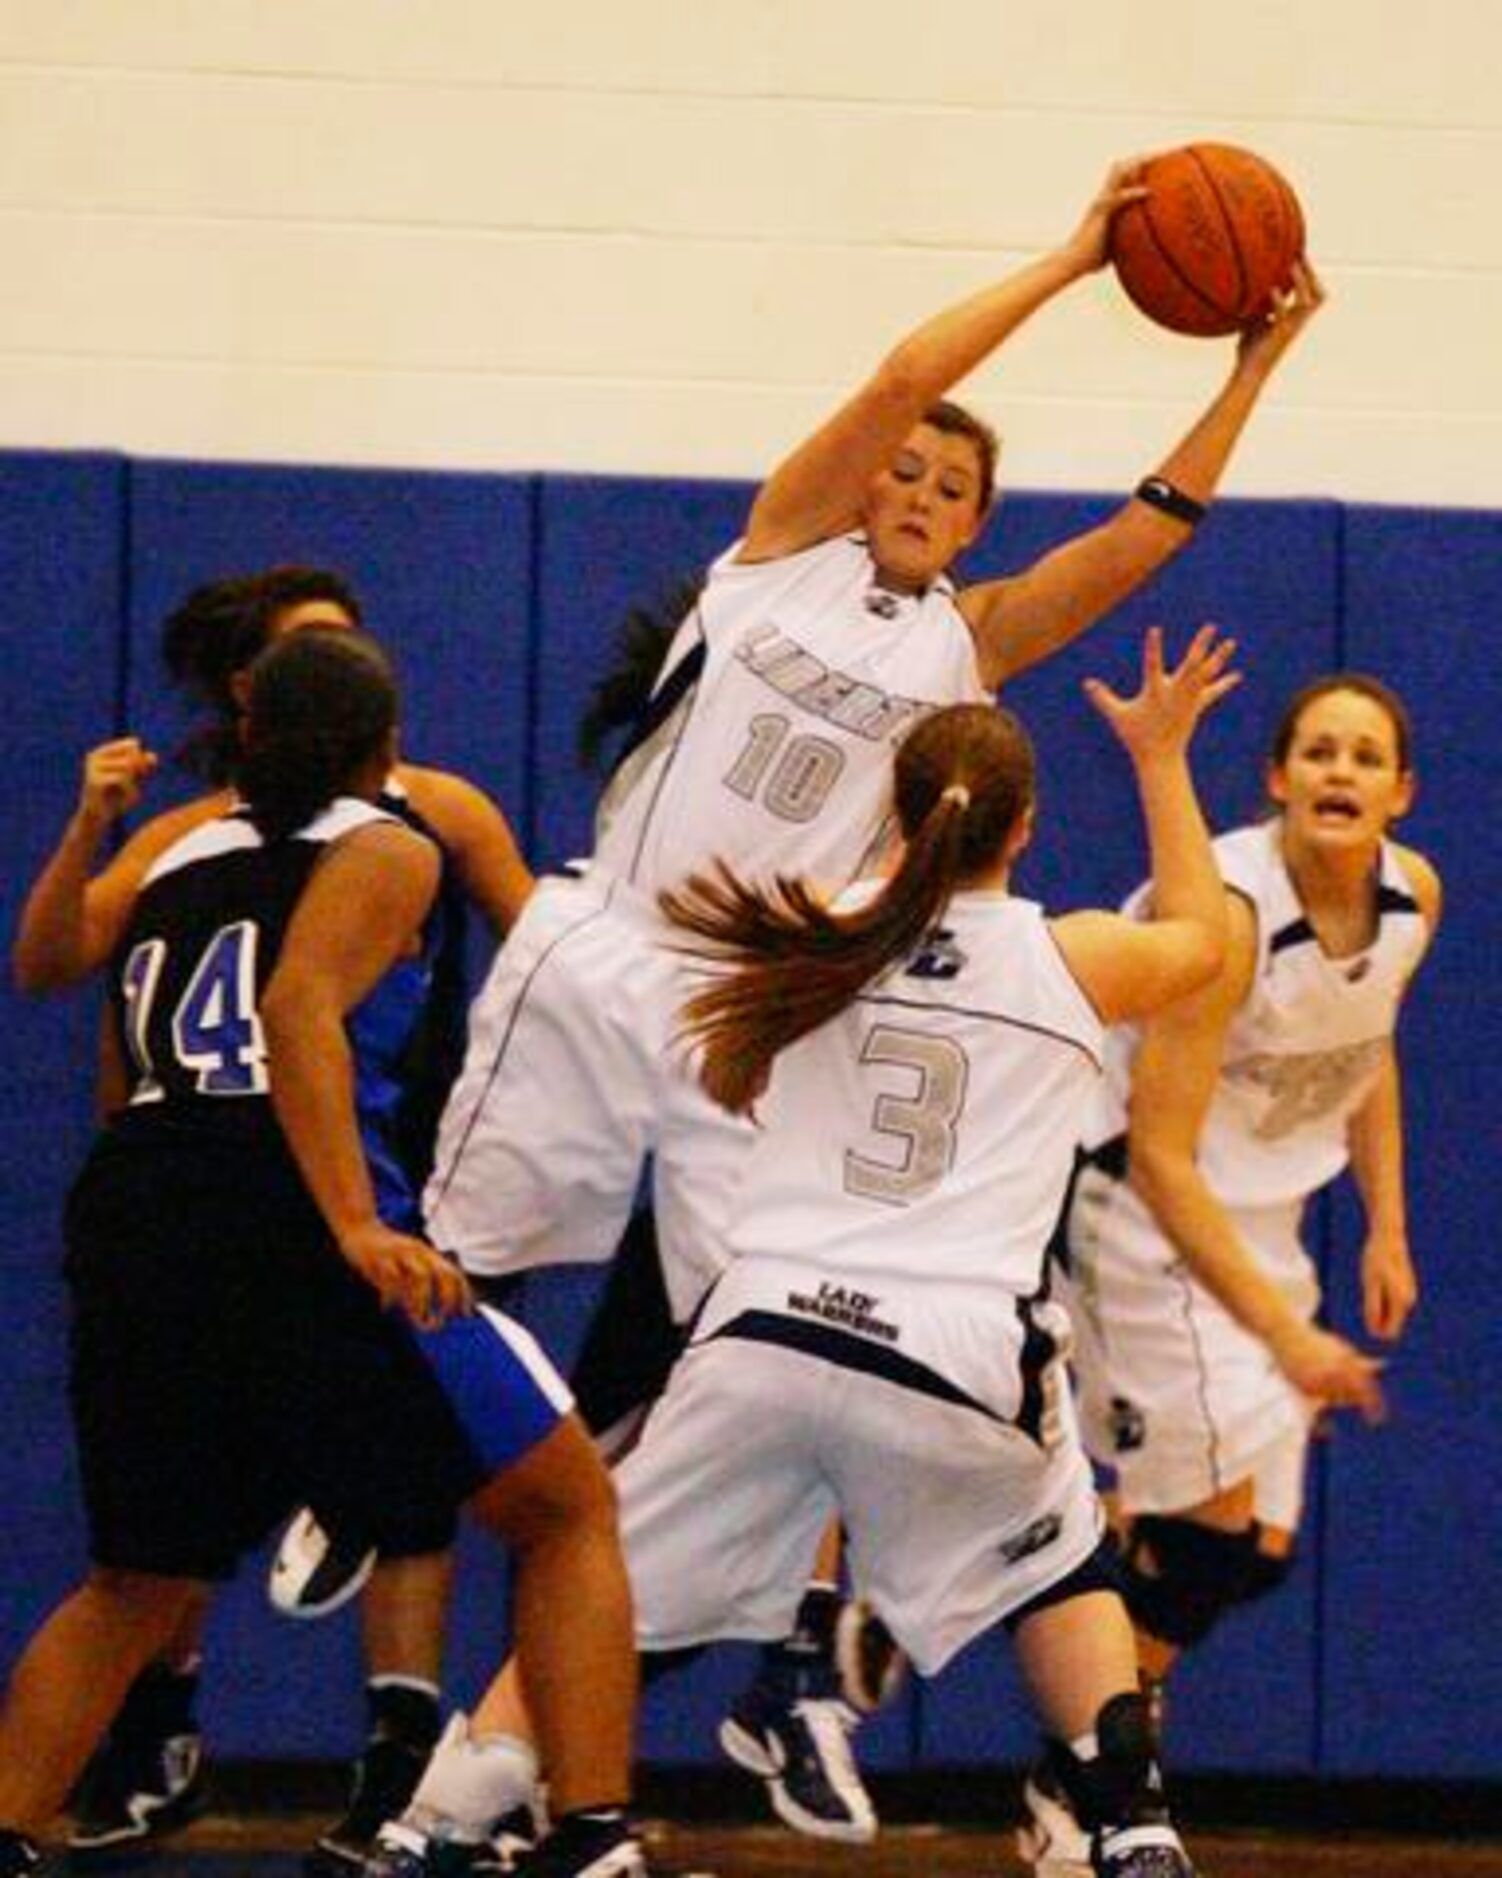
(71, 923)
(360, 912)
(1129, 967)
(1024, 617)
(818, 491)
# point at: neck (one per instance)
(1322, 878)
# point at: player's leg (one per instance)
(146, 1778)
(402, 1615)
(70, 1680)
(1079, 1656)
(548, 1496)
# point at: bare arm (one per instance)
(1389, 1283)
(1127, 967)
(1173, 1081)
(478, 837)
(1023, 618)
(360, 912)
(73, 919)
(818, 490)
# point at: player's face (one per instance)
(925, 507)
(1340, 784)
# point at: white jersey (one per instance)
(915, 1150)
(777, 757)
(1303, 1050)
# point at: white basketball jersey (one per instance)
(1303, 1051)
(778, 759)
(927, 1133)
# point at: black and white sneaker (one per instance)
(400, 1851)
(793, 1729)
(585, 1848)
(1051, 1840)
(315, 1572)
(135, 1791)
(870, 1660)
(386, 1776)
(514, 1836)
(19, 1856)
(1146, 1851)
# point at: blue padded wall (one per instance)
(1412, 1672)
(1268, 573)
(501, 597)
(61, 529)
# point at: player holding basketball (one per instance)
(819, 638)
(872, 1349)
(1200, 1361)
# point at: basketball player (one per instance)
(819, 638)
(871, 1350)
(1200, 1361)
(231, 1359)
(147, 1776)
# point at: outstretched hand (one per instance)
(1158, 720)
(1089, 247)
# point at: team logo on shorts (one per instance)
(1032, 1538)
(1128, 1425)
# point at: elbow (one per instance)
(900, 386)
(1208, 951)
(36, 973)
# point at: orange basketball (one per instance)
(1214, 238)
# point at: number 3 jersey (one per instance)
(199, 950)
(914, 1151)
(784, 694)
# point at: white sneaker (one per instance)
(1050, 1839)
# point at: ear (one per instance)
(1408, 788)
(1022, 833)
(239, 689)
(1275, 781)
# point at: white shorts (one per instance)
(1176, 1398)
(573, 1074)
(954, 1518)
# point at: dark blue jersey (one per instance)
(201, 945)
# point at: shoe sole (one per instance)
(747, 1751)
(139, 1841)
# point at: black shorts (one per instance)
(228, 1365)
(631, 1344)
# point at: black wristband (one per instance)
(1159, 494)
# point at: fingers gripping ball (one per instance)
(1214, 238)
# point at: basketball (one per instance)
(1214, 238)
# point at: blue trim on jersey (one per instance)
(499, 1402)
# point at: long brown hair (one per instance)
(786, 963)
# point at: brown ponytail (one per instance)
(787, 963)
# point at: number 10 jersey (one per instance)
(777, 757)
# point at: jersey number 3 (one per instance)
(923, 1123)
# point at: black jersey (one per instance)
(187, 980)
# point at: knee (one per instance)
(1180, 1578)
(141, 1600)
(562, 1488)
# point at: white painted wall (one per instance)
(664, 235)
